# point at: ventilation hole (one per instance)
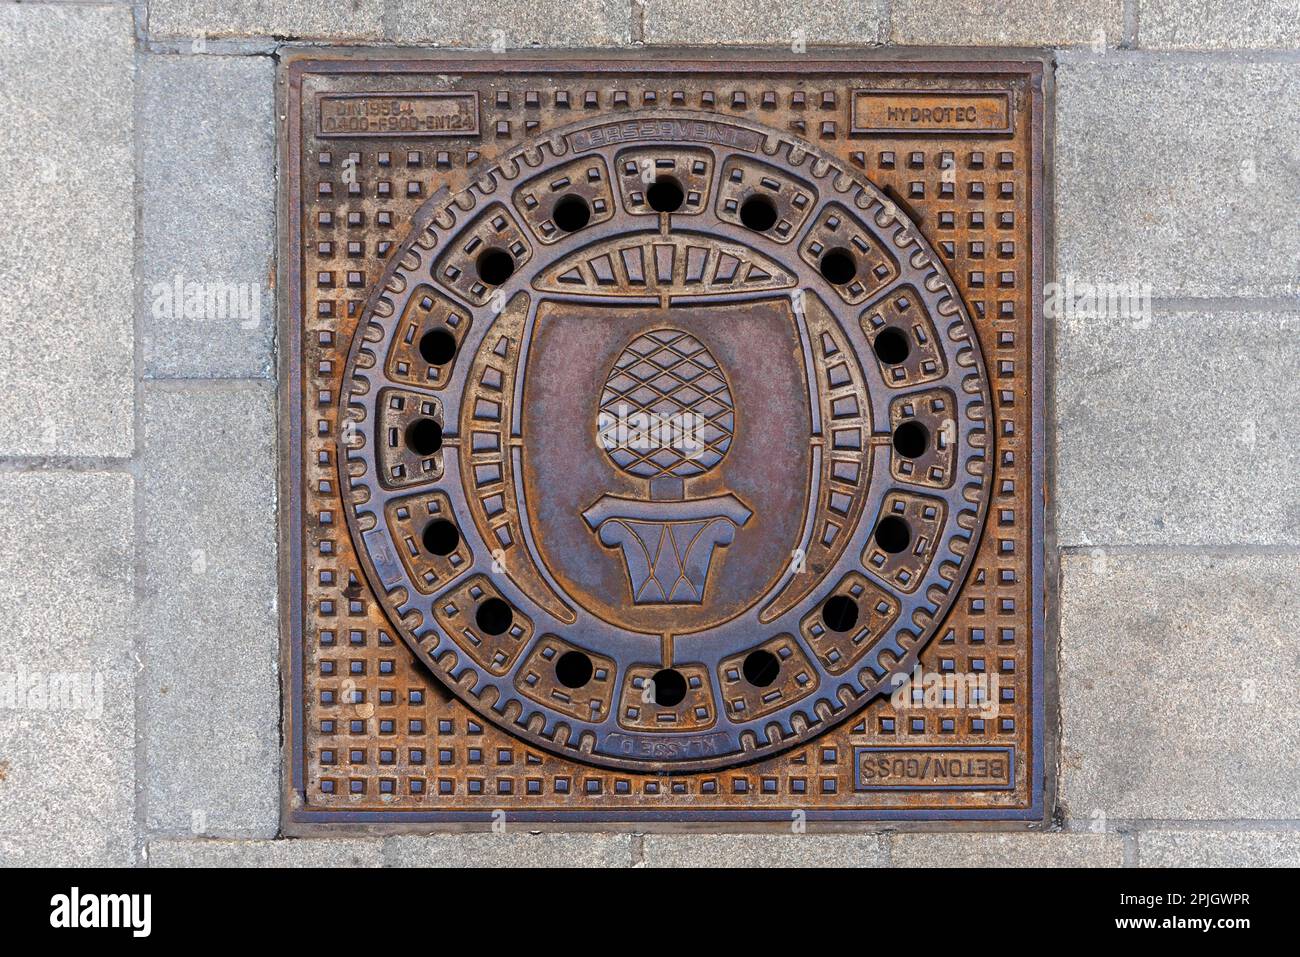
(840, 613)
(424, 437)
(911, 439)
(495, 266)
(571, 214)
(669, 687)
(891, 345)
(573, 670)
(437, 347)
(760, 668)
(892, 534)
(441, 537)
(758, 213)
(493, 617)
(838, 267)
(665, 195)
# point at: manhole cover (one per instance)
(666, 442)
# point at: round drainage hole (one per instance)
(911, 439)
(441, 537)
(838, 267)
(760, 668)
(437, 347)
(424, 437)
(891, 346)
(571, 214)
(892, 534)
(495, 266)
(493, 617)
(840, 613)
(573, 669)
(665, 195)
(758, 213)
(669, 687)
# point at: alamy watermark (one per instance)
(973, 691)
(53, 691)
(184, 298)
(650, 431)
(1074, 299)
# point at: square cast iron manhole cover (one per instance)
(647, 425)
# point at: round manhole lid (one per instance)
(665, 442)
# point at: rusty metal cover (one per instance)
(664, 442)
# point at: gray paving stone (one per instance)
(764, 850)
(67, 669)
(207, 242)
(454, 23)
(1007, 22)
(290, 19)
(689, 22)
(1219, 849)
(511, 849)
(210, 686)
(1212, 24)
(307, 852)
(1178, 430)
(1178, 174)
(509, 26)
(1177, 681)
(66, 352)
(1055, 849)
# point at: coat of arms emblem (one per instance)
(666, 416)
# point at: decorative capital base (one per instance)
(667, 546)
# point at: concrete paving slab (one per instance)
(1059, 849)
(358, 20)
(67, 670)
(511, 849)
(66, 250)
(1177, 679)
(1176, 430)
(1057, 23)
(509, 26)
(206, 295)
(1214, 25)
(1178, 174)
(792, 25)
(1219, 849)
(209, 610)
(323, 852)
(764, 850)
